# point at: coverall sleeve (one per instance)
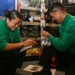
(67, 40)
(3, 41)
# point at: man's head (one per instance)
(57, 11)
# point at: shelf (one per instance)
(30, 8)
(30, 23)
(52, 25)
(33, 38)
(38, 24)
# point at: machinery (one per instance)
(44, 40)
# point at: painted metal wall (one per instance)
(6, 5)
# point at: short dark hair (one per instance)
(12, 14)
(55, 5)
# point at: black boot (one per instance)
(18, 73)
(42, 72)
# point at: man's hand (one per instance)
(45, 33)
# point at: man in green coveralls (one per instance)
(10, 43)
(64, 46)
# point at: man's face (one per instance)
(56, 16)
